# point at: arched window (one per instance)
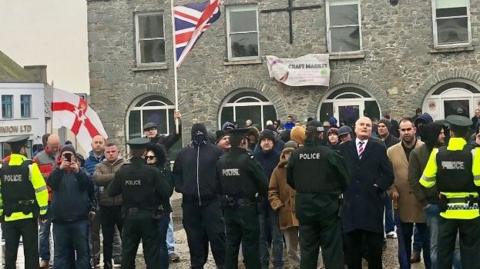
(452, 97)
(244, 105)
(347, 104)
(150, 109)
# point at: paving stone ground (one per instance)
(181, 248)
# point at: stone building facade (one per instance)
(396, 57)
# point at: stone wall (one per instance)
(399, 66)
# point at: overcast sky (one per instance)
(48, 32)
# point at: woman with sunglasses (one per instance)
(155, 156)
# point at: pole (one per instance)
(174, 50)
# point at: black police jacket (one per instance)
(240, 175)
(141, 186)
(454, 172)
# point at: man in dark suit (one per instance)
(371, 174)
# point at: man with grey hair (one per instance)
(371, 175)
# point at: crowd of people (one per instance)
(297, 194)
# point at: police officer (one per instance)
(241, 180)
(455, 170)
(142, 188)
(318, 174)
(24, 197)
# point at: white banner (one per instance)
(308, 70)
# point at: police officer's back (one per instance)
(142, 189)
(241, 180)
(318, 174)
(24, 197)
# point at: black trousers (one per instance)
(109, 217)
(325, 233)
(28, 230)
(469, 242)
(204, 224)
(143, 227)
(242, 225)
(354, 246)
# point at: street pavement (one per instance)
(181, 247)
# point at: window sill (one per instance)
(150, 67)
(243, 62)
(452, 49)
(347, 55)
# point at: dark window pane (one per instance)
(452, 30)
(134, 128)
(372, 110)
(7, 106)
(348, 114)
(155, 103)
(269, 113)
(172, 128)
(25, 105)
(248, 112)
(226, 115)
(152, 51)
(150, 98)
(326, 110)
(457, 107)
(343, 15)
(243, 21)
(348, 89)
(244, 45)
(448, 12)
(157, 116)
(151, 26)
(345, 39)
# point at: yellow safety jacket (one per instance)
(457, 206)
(38, 183)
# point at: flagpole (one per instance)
(177, 123)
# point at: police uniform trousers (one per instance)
(203, 225)
(28, 230)
(469, 231)
(141, 226)
(242, 227)
(321, 231)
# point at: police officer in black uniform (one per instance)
(24, 197)
(318, 174)
(241, 180)
(143, 189)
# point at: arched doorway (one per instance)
(452, 97)
(246, 104)
(347, 103)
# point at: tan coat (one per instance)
(281, 196)
(411, 210)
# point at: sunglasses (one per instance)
(150, 157)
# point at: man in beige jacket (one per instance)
(409, 208)
(110, 207)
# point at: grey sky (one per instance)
(49, 32)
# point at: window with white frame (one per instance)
(25, 106)
(242, 32)
(247, 105)
(150, 38)
(344, 27)
(154, 109)
(451, 22)
(7, 106)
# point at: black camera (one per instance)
(68, 156)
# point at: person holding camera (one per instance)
(72, 205)
(24, 197)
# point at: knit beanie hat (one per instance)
(68, 148)
(267, 134)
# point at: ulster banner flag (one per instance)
(73, 112)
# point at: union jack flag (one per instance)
(191, 20)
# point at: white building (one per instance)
(22, 100)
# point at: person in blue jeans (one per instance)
(72, 205)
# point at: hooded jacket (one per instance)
(194, 170)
